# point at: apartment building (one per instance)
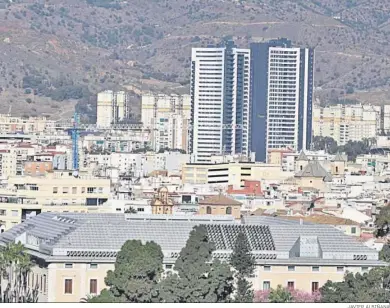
(220, 115)
(167, 116)
(26, 125)
(282, 95)
(112, 107)
(73, 254)
(233, 173)
(7, 163)
(58, 191)
(347, 122)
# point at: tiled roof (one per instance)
(339, 157)
(302, 157)
(324, 219)
(76, 236)
(314, 169)
(219, 200)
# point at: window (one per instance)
(266, 285)
(353, 230)
(32, 280)
(65, 190)
(208, 210)
(14, 213)
(340, 268)
(290, 285)
(44, 283)
(68, 265)
(140, 209)
(168, 266)
(41, 285)
(267, 268)
(228, 210)
(91, 190)
(68, 286)
(93, 286)
(74, 190)
(315, 269)
(83, 190)
(55, 190)
(291, 268)
(100, 190)
(314, 286)
(3, 212)
(93, 266)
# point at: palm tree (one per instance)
(16, 266)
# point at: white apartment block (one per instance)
(290, 85)
(386, 118)
(347, 122)
(167, 117)
(220, 90)
(112, 107)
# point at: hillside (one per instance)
(55, 53)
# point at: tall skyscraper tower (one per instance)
(282, 96)
(220, 102)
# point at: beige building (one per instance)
(346, 122)
(233, 173)
(220, 205)
(58, 191)
(7, 163)
(73, 252)
(161, 203)
(30, 125)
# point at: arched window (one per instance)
(229, 210)
(337, 169)
(208, 210)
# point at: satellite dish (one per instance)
(75, 173)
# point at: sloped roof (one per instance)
(339, 157)
(324, 219)
(219, 200)
(78, 236)
(302, 157)
(314, 170)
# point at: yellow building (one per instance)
(312, 174)
(73, 252)
(233, 173)
(161, 203)
(58, 191)
(220, 205)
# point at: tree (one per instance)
(383, 221)
(241, 258)
(131, 210)
(199, 278)
(359, 288)
(15, 264)
(137, 270)
(325, 143)
(384, 254)
(297, 296)
(243, 262)
(280, 295)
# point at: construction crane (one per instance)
(75, 141)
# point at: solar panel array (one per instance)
(224, 237)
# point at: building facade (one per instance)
(282, 96)
(112, 107)
(220, 102)
(347, 122)
(167, 116)
(73, 252)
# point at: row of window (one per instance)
(291, 268)
(291, 285)
(90, 190)
(68, 286)
(228, 210)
